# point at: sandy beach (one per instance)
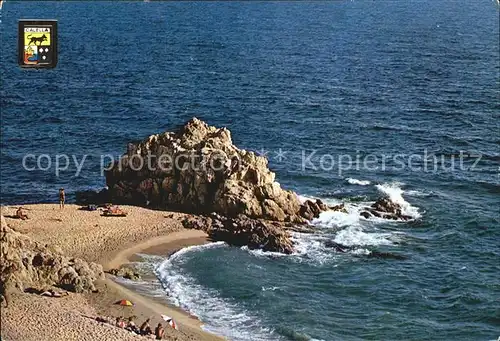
(110, 241)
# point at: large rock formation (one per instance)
(27, 263)
(199, 170)
(241, 231)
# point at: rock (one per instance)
(310, 209)
(386, 209)
(386, 205)
(321, 205)
(125, 273)
(27, 263)
(386, 255)
(92, 197)
(339, 208)
(244, 231)
(272, 211)
(303, 228)
(197, 169)
(366, 214)
(338, 247)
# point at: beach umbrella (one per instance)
(125, 303)
(170, 321)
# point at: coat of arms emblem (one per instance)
(37, 40)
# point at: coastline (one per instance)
(161, 246)
(111, 242)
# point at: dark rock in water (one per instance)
(386, 255)
(241, 231)
(366, 214)
(27, 263)
(386, 209)
(310, 209)
(386, 205)
(322, 206)
(338, 208)
(125, 273)
(372, 254)
(338, 247)
(197, 169)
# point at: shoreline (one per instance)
(111, 242)
(161, 246)
(164, 246)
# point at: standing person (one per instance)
(159, 331)
(62, 198)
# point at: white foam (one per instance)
(416, 193)
(360, 251)
(221, 315)
(356, 236)
(353, 181)
(262, 253)
(311, 248)
(395, 194)
(332, 219)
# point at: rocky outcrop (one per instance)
(92, 197)
(241, 231)
(198, 170)
(386, 209)
(312, 209)
(125, 273)
(27, 263)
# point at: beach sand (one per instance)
(110, 241)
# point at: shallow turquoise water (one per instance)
(339, 78)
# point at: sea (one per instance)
(348, 100)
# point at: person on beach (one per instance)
(146, 328)
(20, 214)
(131, 325)
(120, 323)
(62, 198)
(159, 331)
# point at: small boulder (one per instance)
(125, 273)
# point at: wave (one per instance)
(348, 229)
(353, 181)
(424, 194)
(262, 253)
(395, 194)
(337, 219)
(221, 315)
(311, 248)
(357, 236)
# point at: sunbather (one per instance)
(131, 325)
(20, 214)
(159, 331)
(120, 323)
(146, 328)
(115, 211)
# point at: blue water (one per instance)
(347, 78)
